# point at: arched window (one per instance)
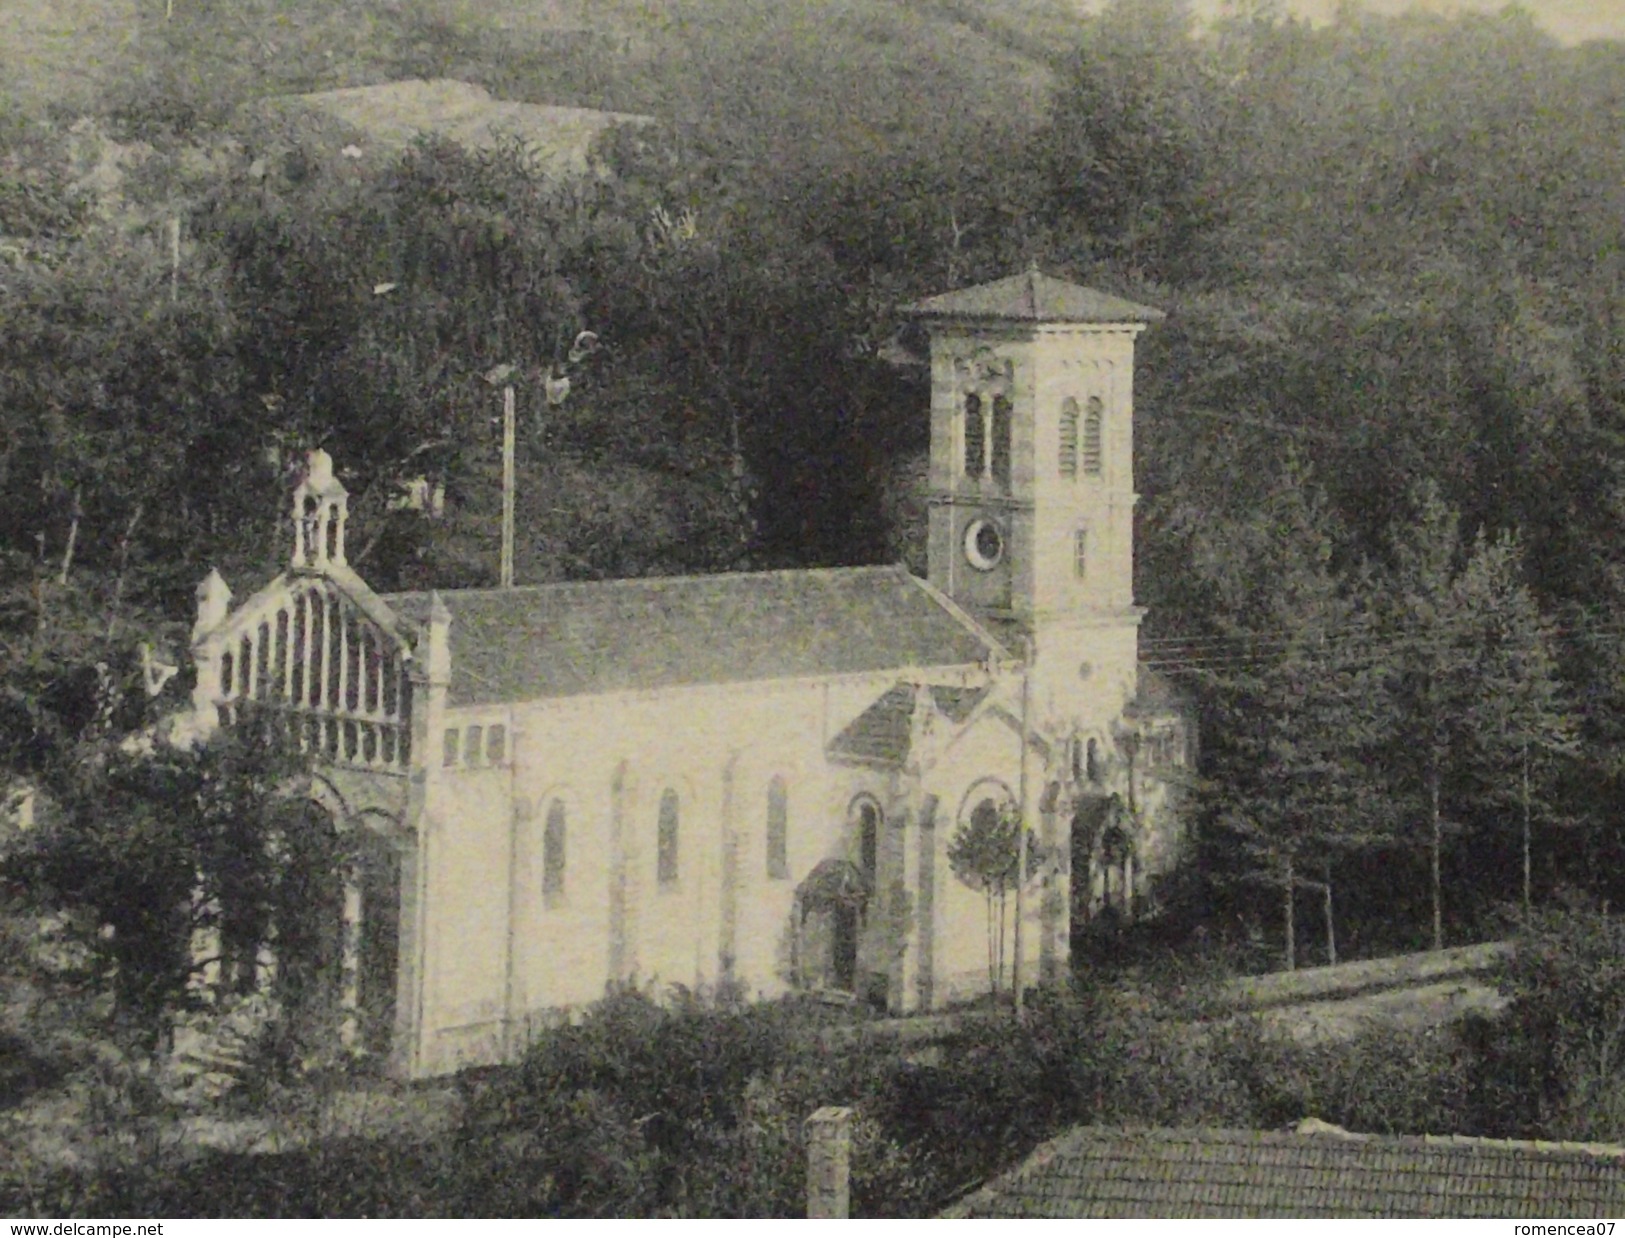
(1001, 440)
(868, 822)
(666, 856)
(989, 811)
(1068, 452)
(1077, 760)
(975, 436)
(778, 830)
(553, 855)
(1091, 763)
(1092, 453)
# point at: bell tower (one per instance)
(321, 507)
(1031, 487)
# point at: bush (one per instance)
(1556, 1071)
(1384, 1081)
(697, 1108)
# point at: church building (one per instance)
(751, 779)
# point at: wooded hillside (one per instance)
(1391, 376)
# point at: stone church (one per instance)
(749, 779)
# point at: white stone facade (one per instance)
(744, 780)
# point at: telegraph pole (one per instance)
(504, 374)
(1016, 971)
(507, 486)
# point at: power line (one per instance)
(1356, 651)
(1266, 423)
(1356, 629)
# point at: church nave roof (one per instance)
(597, 637)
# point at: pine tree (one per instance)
(1470, 678)
(1523, 726)
(1284, 780)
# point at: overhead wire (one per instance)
(1351, 644)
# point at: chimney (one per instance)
(829, 1164)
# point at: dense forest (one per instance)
(1381, 435)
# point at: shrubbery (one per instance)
(696, 1106)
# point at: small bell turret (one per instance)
(321, 506)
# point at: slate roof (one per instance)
(884, 732)
(957, 704)
(880, 733)
(1034, 297)
(1106, 1173)
(608, 636)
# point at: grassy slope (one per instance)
(828, 79)
(64, 51)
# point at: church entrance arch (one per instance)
(1103, 854)
(308, 923)
(377, 872)
(336, 925)
(830, 905)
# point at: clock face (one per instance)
(984, 545)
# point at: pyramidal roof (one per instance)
(1033, 296)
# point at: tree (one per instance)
(1526, 714)
(1469, 678)
(371, 305)
(1283, 684)
(1565, 1023)
(985, 854)
(1126, 147)
(1427, 675)
(153, 849)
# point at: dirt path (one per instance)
(1408, 1009)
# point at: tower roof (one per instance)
(1034, 297)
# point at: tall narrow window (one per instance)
(666, 855)
(496, 745)
(869, 837)
(448, 747)
(1092, 452)
(1068, 453)
(975, 436)
(778, 830)
(553, 855)
(473, 745)
(1080, 553)
(1001, 440)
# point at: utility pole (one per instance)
(1016, 976)
(507, 486)
(504, 374)
(1527, 867)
